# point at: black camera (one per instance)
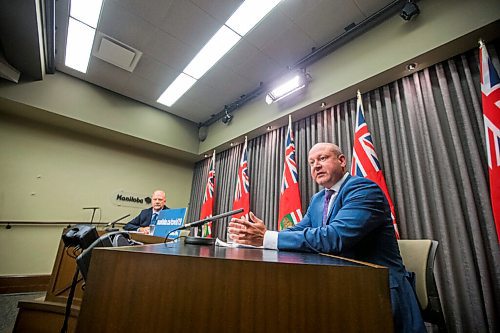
(80, 235)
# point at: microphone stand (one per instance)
(203, 240)
(112, 223)
(93, 212)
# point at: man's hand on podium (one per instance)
(144, 230)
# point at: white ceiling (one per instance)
(170, 32)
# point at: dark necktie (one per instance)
(328, 196)
(154, 219)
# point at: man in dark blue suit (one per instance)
(142, 221)
(351, 218)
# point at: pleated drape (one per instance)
(428, 132)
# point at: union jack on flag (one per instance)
(290, 208)
(242, 192)
(208, 199)
(364, 158)
(490, 89)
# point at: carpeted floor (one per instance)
(8, 308)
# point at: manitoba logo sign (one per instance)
(122, 198)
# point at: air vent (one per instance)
(116, 52)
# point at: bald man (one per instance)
(350, 217)
(142, 221)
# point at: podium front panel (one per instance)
(191, 288)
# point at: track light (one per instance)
(410, 9)
(291, 84)
(226, 119)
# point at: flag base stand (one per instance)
(199, 240)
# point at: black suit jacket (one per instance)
(141, 220)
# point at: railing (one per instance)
(10, 224)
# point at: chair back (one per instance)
(419, 256)
(415, 254)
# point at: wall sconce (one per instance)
(298, 81)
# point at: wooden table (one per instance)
(192, 288)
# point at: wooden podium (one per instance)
(65, 266)
(191, 288)
(47, 315)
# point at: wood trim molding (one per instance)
(23, 283)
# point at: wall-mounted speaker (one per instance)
(202, 133)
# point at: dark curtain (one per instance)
(428, 132)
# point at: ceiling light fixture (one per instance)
(84, 16)
(297, 82)
(78, 45)
(216, 48)
(86, 11)
(248, 15)
(176, 89)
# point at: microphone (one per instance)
(209, 219)
(117, 220)
(112, 224)
(202, 240)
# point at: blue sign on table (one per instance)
(168, 220)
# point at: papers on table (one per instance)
(221, 243)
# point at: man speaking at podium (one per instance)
(351, 218)
(142, 221)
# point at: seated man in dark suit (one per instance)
(350, 217)
(142, 221)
